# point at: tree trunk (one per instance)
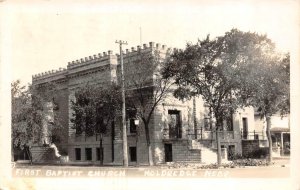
(268, 119)
(150, 156)
(195, 118)
(100, 151)
(219, 156)
(136, 145)
(29, 154)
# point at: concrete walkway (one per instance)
(283, 161)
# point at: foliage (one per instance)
(251, 162)
(94, 108)
(229, 72)
(267, 86)
(28, 112)
(215, 69)
(256, 154)
(259, 153)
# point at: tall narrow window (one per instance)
(207, 124)
(131, 115)
(88, 154)
(132, 127)
(229, 123)
(77, 153)
(175, 129)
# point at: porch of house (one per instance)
(280, 140)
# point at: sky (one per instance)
(45, 35)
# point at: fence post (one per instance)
(254, 134)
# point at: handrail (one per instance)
(211, 135)
(253, 135)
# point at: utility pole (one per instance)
(125, 154)
(141, 36)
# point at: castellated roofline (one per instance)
(151, 46)
(49, 73)
(100, 57)
(89, 59)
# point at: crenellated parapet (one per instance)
(152, 46)
(98, 60)
(49, 74)
(90, 59)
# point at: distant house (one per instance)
(180, 131)
(280, 133)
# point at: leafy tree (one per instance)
(28, 113)
(146, 89)
(94, 110)
(21, 133)
(215, 69)
(268, 87)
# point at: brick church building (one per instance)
(180, 131)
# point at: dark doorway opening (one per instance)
(77, 153)
(168, 153)
(231, 152)
(245, 128)
(132, 151)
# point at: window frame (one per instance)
(88, 155)
(77, 154)
(133, 153)
(178, 127)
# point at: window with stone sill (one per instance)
(174, 123)
(207, 124)
(228, 123)
(132, 126)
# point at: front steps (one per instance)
(44, 154)
(208, 152)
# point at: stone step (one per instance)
(42, 154)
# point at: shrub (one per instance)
(259, 153)
(235, 156)
(251, 162)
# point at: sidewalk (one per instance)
(283, 161)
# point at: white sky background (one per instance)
(46, 35)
